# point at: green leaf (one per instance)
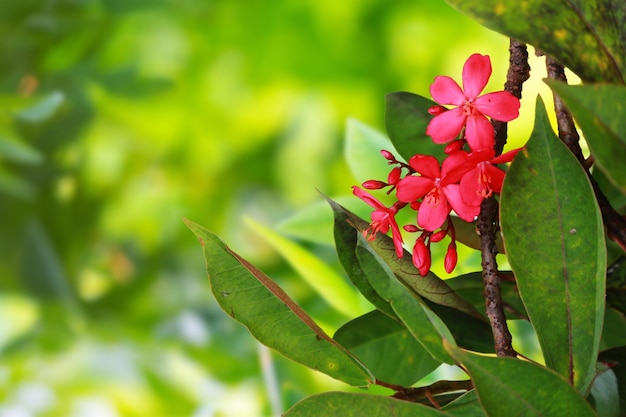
(430, 286)
(512, 387)
(17, 151)
(616, 358)
(362, 151)
(253, 299)
(604, 395)
(554, 241)
(467, 405)
(331, 286)
(314, 223)
(387, 348)
(471, 287)
(425, 325)
(599, 111)
(345, 404)
(406, 119)
(470, 331)
(43, 109)
(465, 233)
(345, 242)
(587, 36)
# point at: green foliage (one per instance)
(254, 300)
(376, 339)
(586, 36)
(349, 404)
(554, 238)
(598, 110)
(552, 235)
(117, 118)
(530, 390)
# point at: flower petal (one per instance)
(446, 126)
(426, 165)
(497, 178)
(368, 198)
(505, 157)
(464, 211)
(411, 188)
(432, 217)
(445, 90)
(476, 73)
(454, 167)
(500, 105)
(397, 237)
(479, 133)
(470, 188)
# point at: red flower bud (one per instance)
(374, 185)
(388, 156)
(454, 146)
(411, 228)
(394, 176)
(421, 257)
(436, 110)
(436, 237)
(450, 260)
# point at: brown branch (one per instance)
(487, 227)
(418, 394)
(519, 71)
(614, 222)
(487, 224)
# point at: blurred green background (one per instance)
(118, 118)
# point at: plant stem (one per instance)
(439, 387)
(614, 222)
(487, 224)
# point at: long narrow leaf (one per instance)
(254, 300)
(554, 241)
(431, 287)
(512, 387)
(345, 404)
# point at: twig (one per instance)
(487, 224)
(427, 392)
(614, 222)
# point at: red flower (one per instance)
(480, 175)
(439, 194)
(471, 109)
(383, 218)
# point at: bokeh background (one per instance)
(120, 117)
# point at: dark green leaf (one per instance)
(554, 241)
(345, 242)
(587, 36)
(406, 118)
(471, 287)
(344, 404)
(387, 348)
(614, 330)
(430, 287)
(599, 111)
(465, 233)
(253, 299)
(420, 320)
(512, 387)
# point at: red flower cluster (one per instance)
(464, 178)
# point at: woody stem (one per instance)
(488, 224)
